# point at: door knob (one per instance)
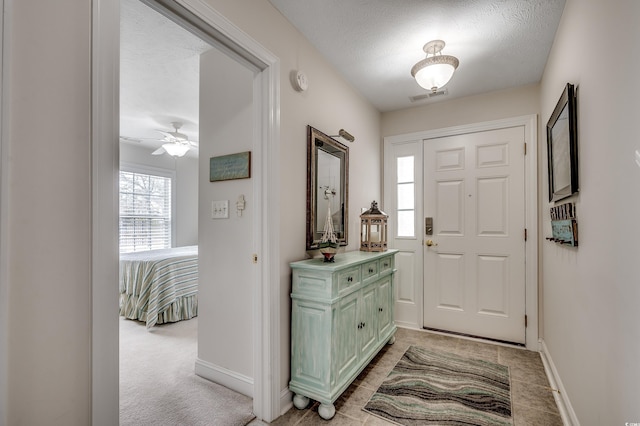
(430, 243)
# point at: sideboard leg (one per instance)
(300, 401)
(327, 411)
(391, 340)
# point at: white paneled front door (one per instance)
(474, 261)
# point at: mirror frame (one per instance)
(562, 147)
(317, 140)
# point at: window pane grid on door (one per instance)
(145, 212)
(406, 196)
(405, 203)
(406, 224)
(405, 167)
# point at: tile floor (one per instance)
(532, 398)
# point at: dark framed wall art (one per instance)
(562, 147)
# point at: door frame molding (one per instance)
(5, 21)
(530, 123)
(105, 165)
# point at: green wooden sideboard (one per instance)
(341, 316)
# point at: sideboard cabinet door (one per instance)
(384, 299)
(367, 332)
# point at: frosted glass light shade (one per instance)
(434, 75)
(176, 149)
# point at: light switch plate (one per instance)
(220, 209)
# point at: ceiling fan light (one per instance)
(176, 149)
(432, 73)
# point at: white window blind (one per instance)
(145, 211)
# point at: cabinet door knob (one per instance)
(371, 270)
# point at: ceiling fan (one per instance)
(175, 143)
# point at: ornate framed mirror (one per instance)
(327, 187)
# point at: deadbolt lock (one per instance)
(428, 226)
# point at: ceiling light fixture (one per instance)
(176, 149)
(434, 71)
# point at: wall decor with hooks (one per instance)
(564, 225)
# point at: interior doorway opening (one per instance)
(263, 66)
(158, 217)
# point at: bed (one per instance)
(159, 286)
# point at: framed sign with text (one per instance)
(229, 167)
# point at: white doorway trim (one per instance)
(105, 164)
(4, 218)
(530, 123)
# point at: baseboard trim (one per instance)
(222, 376)
(286, 400)
(569, 417)
(409, 325)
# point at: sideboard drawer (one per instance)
(369, 270)
(348, 278)
(386, 264)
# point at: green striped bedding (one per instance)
(159, 286)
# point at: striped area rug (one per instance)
(438, 388)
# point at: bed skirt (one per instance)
(183, 308)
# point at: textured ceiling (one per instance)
(374, 43)
(159, 75)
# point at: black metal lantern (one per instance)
(373, 229)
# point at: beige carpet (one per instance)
(158, 385)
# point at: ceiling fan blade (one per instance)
(194, 144)
(159, 151)
(167, 135)
(173, 136)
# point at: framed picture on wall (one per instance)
(562, 147)
(228, 167)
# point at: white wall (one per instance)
(49, 209)
(187, 202)
(468, 110)
(225, 303)
(591, 293)
(186, 194)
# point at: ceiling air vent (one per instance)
(429, 95)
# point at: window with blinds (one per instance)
(145, 211)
